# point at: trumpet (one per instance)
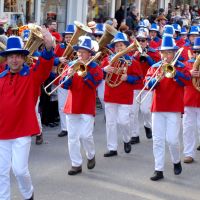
(78, 67)
(164, 70)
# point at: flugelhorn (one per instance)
(81, 29)
(120, 66)
(164, 70)
(78, 67)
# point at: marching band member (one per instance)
(118, 100)
(191, 117)
(178, 39)
(80, 106)
(19, 86)
(62, 93)
(146, 59)
(193, 33)
(167, 107)
(154, 40)
(184, 34)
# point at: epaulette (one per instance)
(191, 60)
(179, 64)
(151, 50)
(62, 45)
(93, 64)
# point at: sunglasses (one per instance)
(141, 40)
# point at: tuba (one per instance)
(106, 38)
(81, 29)
(2, 48)
(34, 41)
(120, 66)
(196, 80)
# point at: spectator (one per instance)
(132, 18)
(119, 15)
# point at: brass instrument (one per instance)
(164, 70)
(78, 67)
(34, 41)
(2, 48)
(196, 80)
(120, 66)
(81, 29)
(106, 38)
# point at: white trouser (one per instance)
(165, 125)
(14, 153)
(80, 128)
(117, 114)
(191, 123)
(144, 108)
(101, 90)
(38, 114)
(62, 97)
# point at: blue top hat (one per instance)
(14, 45)
(154, 27)
(25, 35)
(70, 29)
(85, 42)
(183, 31)
(141, 24)
(194, 30)
(196, 46)
(168, 31)
(168, 43)
(120, 37)
(99, 29)
(177, 27)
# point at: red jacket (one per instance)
(191, 94)
(81, 97)
(19, 93)
(123, 94)
(168, 93)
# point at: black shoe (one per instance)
(63, 133)
(32, 198)
(110, 153)
(135, 140)
(198, 148)
(39, 139)
(177, 168)
(148, 132)
(157, 176)
(127, 147)
(91, 163)
(75, 170)
(52, 124)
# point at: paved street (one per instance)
(125, 177)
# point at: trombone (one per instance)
(78, 67)
(167, 70)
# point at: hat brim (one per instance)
(67, 33)
(112, 45)
(10, 51)
(76, 48)
(168, 48)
